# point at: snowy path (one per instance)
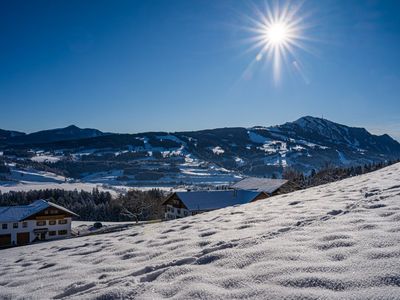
(337, 241)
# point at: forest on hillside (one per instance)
(96, 205)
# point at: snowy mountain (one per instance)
(337, 241)
(205, 156)
(330, 133)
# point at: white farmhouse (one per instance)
(38, 221)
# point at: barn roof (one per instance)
(266, 185)
(21, 212)
(210, 200)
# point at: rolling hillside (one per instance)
(338, 241)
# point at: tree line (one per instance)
(329, 173)
(96, 205)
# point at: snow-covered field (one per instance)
(81, 228)
(191, 173)
(23, 180)
(338, 241)
(69, 186)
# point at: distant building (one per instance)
(267, 185)
(183, 204)
(40, 220)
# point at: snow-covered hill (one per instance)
(27, 179)
(338, 241)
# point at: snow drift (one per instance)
(336, 241)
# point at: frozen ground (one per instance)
(338, 241)
(77, 224)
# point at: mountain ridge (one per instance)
(306, 144)
(52, 135)
(74, 129)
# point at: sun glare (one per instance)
(277, 33)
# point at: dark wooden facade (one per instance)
(261, 196)
(174, 201)
(50, 213)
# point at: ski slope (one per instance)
(337, 241)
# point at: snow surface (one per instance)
(69, 186)
(218, 150)
(46, 158)
(81, 228)
(23, 180)
(337, 241)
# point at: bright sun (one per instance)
(278, 32)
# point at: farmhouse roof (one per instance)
(21, 212)
(266, 185)
(210, 200)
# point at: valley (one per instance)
(205, 158)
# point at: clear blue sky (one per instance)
(130, 66)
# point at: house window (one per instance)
(24, 224)
(41, 223)
(62, 232)
(53, 222)
(53, 211)
(52, 233)
(15, 225)
(178, 210)
(4, 226)
(62, 221)
(46, 212)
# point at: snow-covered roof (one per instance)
(266, 185)
(19, 213)
(210, 200)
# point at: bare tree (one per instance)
(136, 214)
(138, 205)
